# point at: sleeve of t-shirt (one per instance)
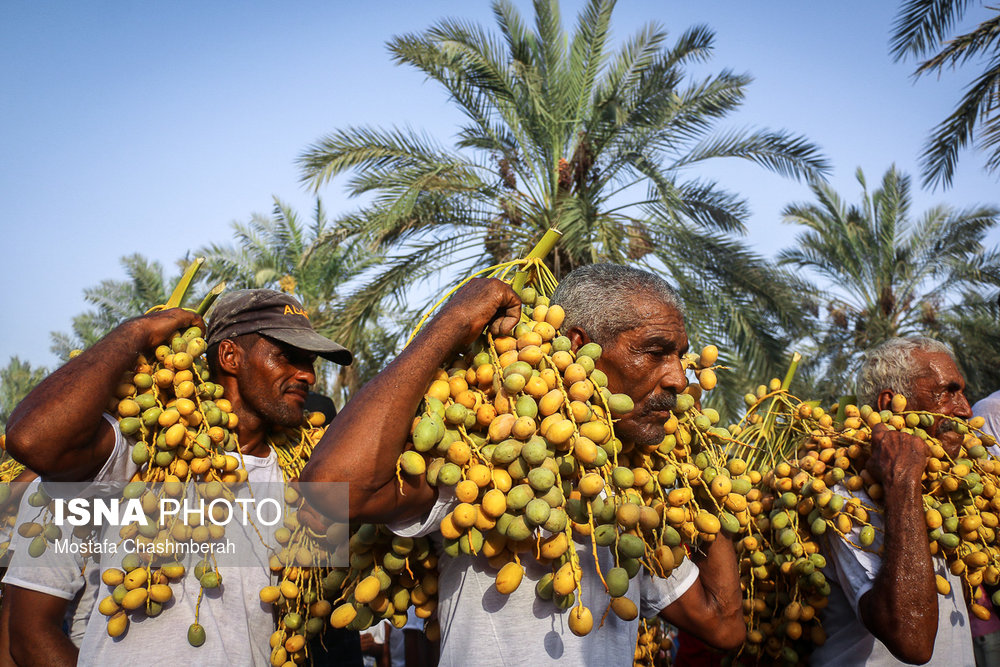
(856, 568)
(377, 632)
(61, 574)
(657, 593)
(56, 574)
(428, 522)
(50, 578)
(119, 467)
(25, 513)
(989, 410)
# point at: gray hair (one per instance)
(889, 365)
(598, 299)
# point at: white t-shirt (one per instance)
(482, 627)
(848, 640)
(989, 409)
(237, 624)
(65, 576)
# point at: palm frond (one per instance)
(363, 147)
(606, 143)
(940, 156)
(922, 24)
(786, 154)
(889, 275)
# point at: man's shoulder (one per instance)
(990, 404)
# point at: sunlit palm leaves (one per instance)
(974, 334)
(921, 29)
(562, 130)
(892, 274)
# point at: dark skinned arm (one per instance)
(901, 608)
(369, 647)
(362, 444)
(58, 430)
(36, 634)
(6, 659)
(711, 609)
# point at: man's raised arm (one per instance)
(901, 607)
(362, 444)
(58, 430)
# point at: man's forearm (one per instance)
(712, 608)
(719, 575)
(365, 440)
(48, 646)
(362, 444)
(78, 393)
(57, 430)
(901, 607)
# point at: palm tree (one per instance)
(115, 301)
(890, 275)
(921, 29)
(562, 131)
(17, 378)
(309, 261)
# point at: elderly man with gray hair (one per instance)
(884, 607)
(636, 319)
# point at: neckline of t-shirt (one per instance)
(250, 461)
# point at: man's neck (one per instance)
(253, 442)
(251, 432)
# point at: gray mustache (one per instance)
(659, 403)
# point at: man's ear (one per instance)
(230, 357)
(884, 400)
(577, 338)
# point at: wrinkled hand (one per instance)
(896, 456)
(481, 302)
(157, 327)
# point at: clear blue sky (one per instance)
(149, 127)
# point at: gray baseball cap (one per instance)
(273, 314)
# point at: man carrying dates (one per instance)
(635, 318)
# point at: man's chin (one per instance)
(292, 397)
(640, 435)
(291, 417)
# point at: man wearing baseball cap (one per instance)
(272, 314)
(261, 350)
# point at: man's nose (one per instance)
(674, 376)
(306, 373)
(962, 408)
